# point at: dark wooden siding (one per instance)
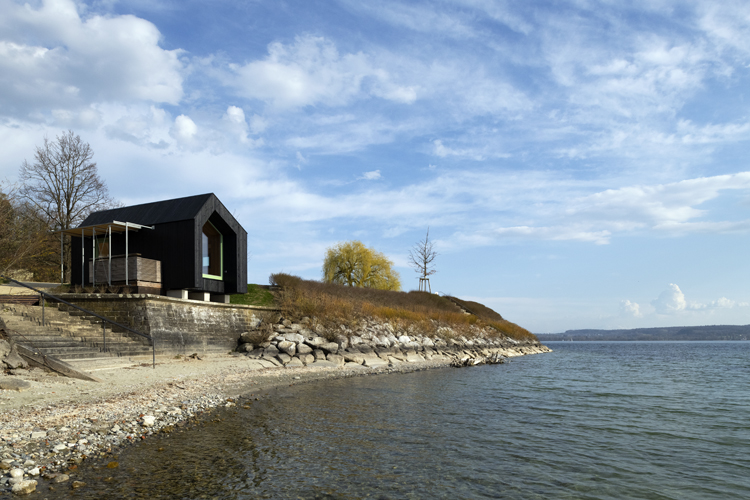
(177, 243)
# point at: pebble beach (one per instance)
(48, 430)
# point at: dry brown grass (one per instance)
(332, 305)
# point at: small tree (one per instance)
(422, 257)
(353, 264)
(63, 184)
(23, 235)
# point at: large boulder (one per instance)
(331, 347)
(319, 355)
(335, 358)
(271, 351)
(4, 348)
(294, 337)
(306, 359)
(12, 360)
(351, 357)
(375, 362)
(288, 347)
(316, 342)
(304, 349)
(284, 357)
(295, 362)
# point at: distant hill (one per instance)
(710, 332)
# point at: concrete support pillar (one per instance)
(204, 296)
(177, 294)
(222, 299)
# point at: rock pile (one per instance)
(373, 344)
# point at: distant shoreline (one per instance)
(671, 333)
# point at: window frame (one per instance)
(220, 277)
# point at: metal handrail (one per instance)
(92, 313)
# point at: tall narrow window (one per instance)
(212, 252)
(102, 247)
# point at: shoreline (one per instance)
(59, 423)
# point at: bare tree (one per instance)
(63, 184)
(422, 257)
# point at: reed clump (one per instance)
(333, 305)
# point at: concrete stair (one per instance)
(74, 337)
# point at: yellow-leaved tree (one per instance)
(352, 263)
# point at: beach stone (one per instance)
(270, 359)
(60, 478)
(247, 337)
(4, 348)
(24, 487)
(375, 362)
(149, 420)
(316, 342)
(403, 339)
(351, 357)
(16, 473)
(304, 349)
(34, 472)
(331, 347)
(319, 355)
(255, 353)
(306, 359)
(288, 347)
(271, 351)
(12, 384)
(245, 348)
(335, 358)
(268, 363)
(294, 337)
(13, 360)
(294, 362)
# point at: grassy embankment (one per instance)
(425, 313)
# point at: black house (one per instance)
(187, 247)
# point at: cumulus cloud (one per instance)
(184, 129)
(670, 301)
(312, 71)
(53, 57)
(628, 308)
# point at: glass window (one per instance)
(102, 247)
(212, 250)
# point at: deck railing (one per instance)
(54, 298)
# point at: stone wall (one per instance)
(179, 326)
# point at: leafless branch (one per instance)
(422, 257)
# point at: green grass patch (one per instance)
(255, 296)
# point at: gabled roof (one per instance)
(148, 214)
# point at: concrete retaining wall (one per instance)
(179, 326)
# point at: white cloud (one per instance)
(630, 309)
(184, 129)
(371, 176)
(311, 71)
(670, 301)
(51, 56)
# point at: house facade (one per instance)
(187, 248)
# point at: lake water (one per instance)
(588, 421)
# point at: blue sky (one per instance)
(579, 164)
